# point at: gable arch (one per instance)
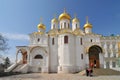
(94, 54)
(98, 48)
(39, 48)
(22, 54)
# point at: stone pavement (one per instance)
(40, 76)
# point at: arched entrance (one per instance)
(94, 58)
(39, 59)
(23, 56)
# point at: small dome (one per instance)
(64, 15)
(41, 26)
(54, 20)
(75, 20)
(88, 25)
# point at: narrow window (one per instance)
(81, 42)
(113, 46)
(114, 55)
(113, 64)
(53, 41)
(108, 54)
(91, 40)
(61, 25)
(53, 26)
(64, 24)
(81, 56)
(38, 39)
(76, 25)
(65, 39)
(68, 25)
(108, 45)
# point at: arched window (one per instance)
(38, 56)
(91, 40)
(81, 42)
(38, 39)
(64, 24)
(53, 26)
(76, 25)
(68, 25)
(65, 39)
(113, 64)
(53, 41)
(114, 55)
(61, 25)
(81, 56)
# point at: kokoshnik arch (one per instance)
(66, 49)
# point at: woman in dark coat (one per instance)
(87, 72)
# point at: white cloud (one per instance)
(16, 36)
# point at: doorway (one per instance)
(94, 52)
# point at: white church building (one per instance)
(66, 48)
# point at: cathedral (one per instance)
(66, 48)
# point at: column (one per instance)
(110, 64)
(87, 60)
(101, 59)
(104, 64)
(16, 57)
(28, 56)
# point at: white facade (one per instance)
(66, 49)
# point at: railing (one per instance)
(13, 66)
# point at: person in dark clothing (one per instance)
(91, 72)
(94, 63)
(91, 65)
(87, 72)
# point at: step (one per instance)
(101, 71)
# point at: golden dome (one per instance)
(41, 26)
(87, 25)
(64, 15)
(75, 20)
(54, 20)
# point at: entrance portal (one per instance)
(94, 52)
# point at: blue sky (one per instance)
(18, 18)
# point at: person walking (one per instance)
(87, 72)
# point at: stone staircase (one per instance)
(16, 69)
(102, 71)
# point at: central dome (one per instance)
(64, 15)
(41, 26)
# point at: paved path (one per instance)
(39, 76)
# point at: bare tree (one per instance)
(7, 62)
(3, 43)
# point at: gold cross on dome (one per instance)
(64, 10)
(41, 20)
(75, 15)
(86, 19)
(54, 15)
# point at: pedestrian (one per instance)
(91, 65)
(94, 65)
(87, 72)
(91, 72)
